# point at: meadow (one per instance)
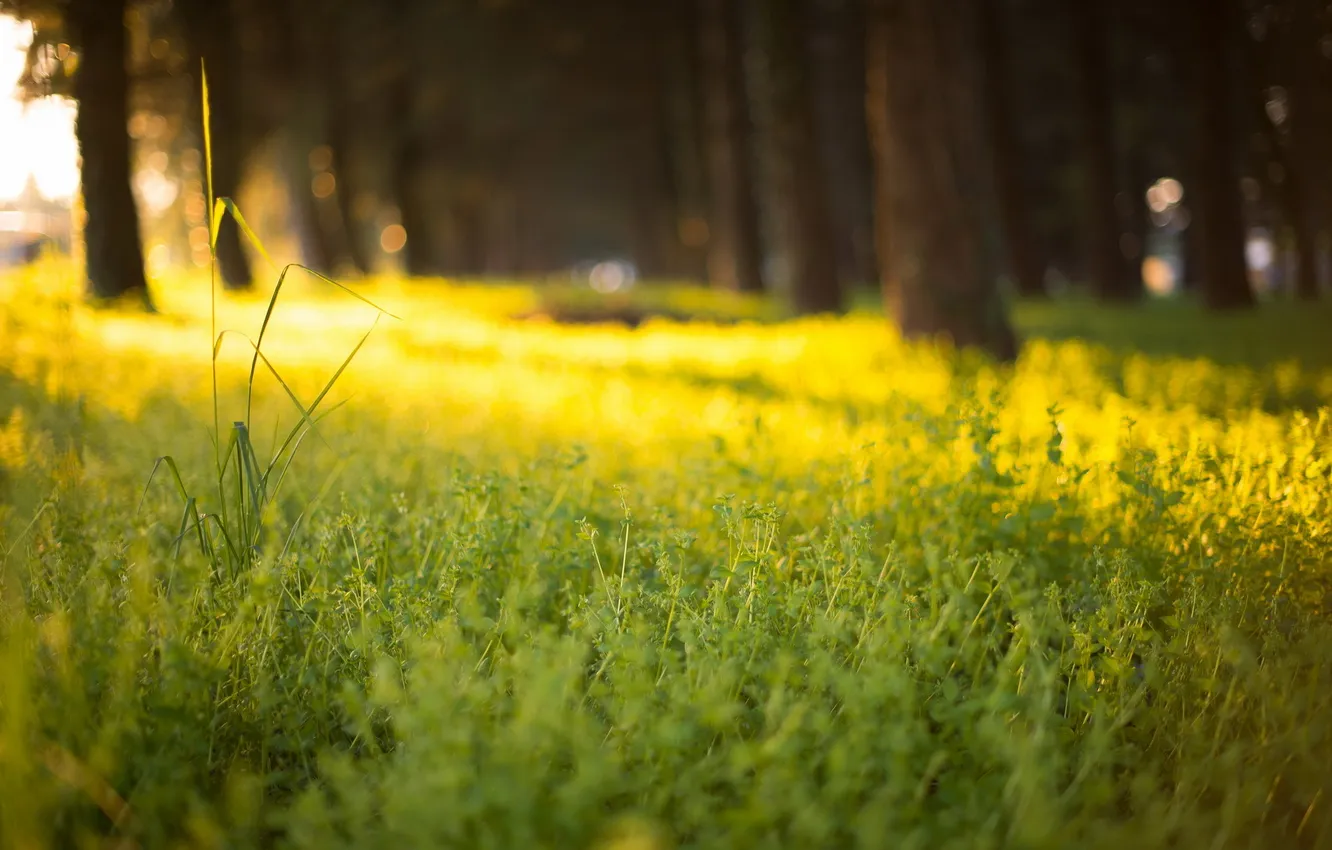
(734, 582)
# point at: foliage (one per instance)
(795, 584)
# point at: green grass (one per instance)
(771, 584)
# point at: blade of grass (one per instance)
(272, 304)
(244, 226)
(213, 223)
(292, 455)
(175, 474)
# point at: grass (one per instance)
(695, 585)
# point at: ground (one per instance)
(741, 583)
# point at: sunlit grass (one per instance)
(696, 584)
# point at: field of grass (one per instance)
(697, 585)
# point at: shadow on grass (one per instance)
(1273, 333)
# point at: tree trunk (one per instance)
(1105, 260)
(1296, 208)
(326, 71)
(1311, 133)
(922, 108)
(838, 81)
(679, 50)
(1223, 271)
(419, 259)
(210, 29)
(655, 203)
(114, 254)
(317, 235)
(1137, 223)
(408, 162)
(815, 284)
(734, 258)
(324, 235)
(1023, 263)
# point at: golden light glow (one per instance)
(1158, 276)
(321, 158)
(393, 239)
(519, 382)
(36, 139)
(324, 184)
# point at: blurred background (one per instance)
(719, 141)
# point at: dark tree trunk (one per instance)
(316, 252)
(210, 28)
(838, 80)
(1218, 206)
(1137, 224)
(1015, 221)
(344, 192)
(1274, 59)
(1311, 141)
(654, 204)
(1294, 192)
(111, 228)
(815, 284)
(734, 258)
(310, 221)
(408, 162)
(922, 106)
(326, 73)
(324, 237)
(656, 201)
(1105, 260)
(1191, 250)
(679, 57)
(419, 259)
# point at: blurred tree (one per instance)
(837, 76)
(114, 254)
(802, 190)
(1044, 97)
(1006, 154)
(1102, 232)
(327, 64)
(1215, 26)
(301, 70)
(97, 76)
(922, 103)
(734, 255)
(1289, 84)
(210, 29)
(679, 48)
(409, 94)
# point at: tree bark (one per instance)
(922, 105)
(408, 162)
(734, 258)
(114, 253)
(325, 70)
(838, 81)
(1019, 245)
(1295, 203)
(1218, 204)
(1311, 135)
(324, 237)
(816, 287)
(210, 29)
(1097, 130)
(647, 158)
(314, 238)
